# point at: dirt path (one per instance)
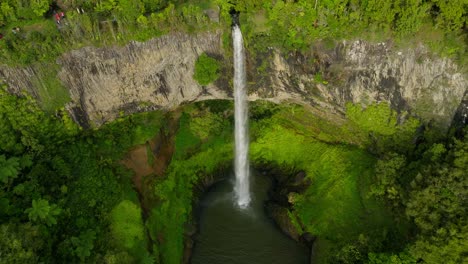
(137, 160)
(150, 160)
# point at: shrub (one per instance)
(127, 225)
(206, 69)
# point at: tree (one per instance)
(106, 6)
(153, 5)
(453, 13)
(383, 258)
(431, 190)
(387, 174)
(7, 13)
(20, 243)
(379, 12)
(437, 199)
(83, 244)
(127, 225)
(410, 16)
(206, 69)
(42, 211)
(39, 7)
(447, 246)
(9, 168)
(130, 10)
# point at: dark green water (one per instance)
(230, 235)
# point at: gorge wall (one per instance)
(105, 83)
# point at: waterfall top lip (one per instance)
(235, 17)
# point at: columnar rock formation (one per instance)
(361, 72)
(157, 74)
(137, 77)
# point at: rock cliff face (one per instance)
(22, 79)
(107, 82)
(103, 82)
(359, 72)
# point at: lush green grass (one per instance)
(259, 20)
(379, 123)
(52, 94)
(127, 225)
(331, 129)
(379, 118)
(337, 207)
(185, 140)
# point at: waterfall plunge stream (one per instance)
(241, 136)
(240, 232)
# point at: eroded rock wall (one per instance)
(21, 79)
(104, 82)
(107, 82)
(360, 72)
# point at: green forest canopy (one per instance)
(291, 25)
(64, 193)
(63, 190)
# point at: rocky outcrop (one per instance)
(280, 215)
(21, 79)
(360, 72)
(105, 83)
(460, 120)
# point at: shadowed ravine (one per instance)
(229, 234)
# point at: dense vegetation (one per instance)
(203, 149)
(399, 198)
(291, 25)
(206, 69)
(296, 25)
(381, 192)
(40, 38)
(63, 197)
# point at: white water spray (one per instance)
(241, 165)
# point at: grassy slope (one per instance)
(53, 95)
(335, 207)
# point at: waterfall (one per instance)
(241, 165)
